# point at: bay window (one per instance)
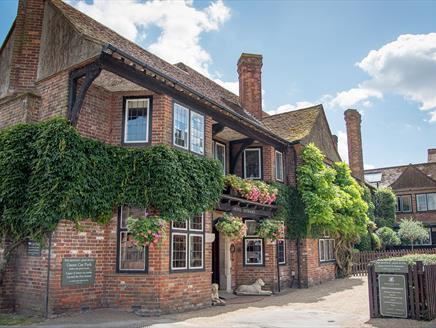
(136, 120)
(131, 258)
(252, 163)
(187, 244)
(188, 129)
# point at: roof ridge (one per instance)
(397, 166)
(318, 106)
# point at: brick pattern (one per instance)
(19, 108)
(54, 95)
(250, 83)
(355, 155)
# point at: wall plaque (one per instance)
(78, 271)
(391, 267)
(33, 248)
(393, 296)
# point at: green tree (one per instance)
(412, 231)
(384, 211)
(388, 237)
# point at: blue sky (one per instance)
(311, 52)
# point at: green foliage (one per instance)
(364, 243)
(412, 231)
(388, 237)
(368, 198)
(271, 229)
(253, 190)
(48, 172)
(375, 239)
(411, 259)
(231, 226)
(384, 201)
(146, 231)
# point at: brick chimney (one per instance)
(27, 40)
(335, 140)
(250, 84)
(354, 137)
(431, 155)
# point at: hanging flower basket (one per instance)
(271, 229)
(146, 231)
(231, 226)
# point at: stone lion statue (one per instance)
(216, 300)
(254, 289)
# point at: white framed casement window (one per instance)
(196, 223)
(253, 251)
(404, 203)
(426, 202)
(131, 258)
(180, 225)
(136, 120)
(196, 251)
(181, 126)
(179, 251)
(279, 166)
(326, 250)
(220, 154)
(197, 133)
(281, 251)
(252, 163)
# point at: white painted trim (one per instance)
(202, 224)
(193, 114)
(188, 124)
(202, 250)
(260, 163)
(261, 251)
(172, 250)
(283, 172)
(284, 251)
(184, 229)
(225, 157)
(126, 116)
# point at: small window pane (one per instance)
(131, 256)
(281, 251)
(179, 250)
(136, 120)
(220, 155)
(321, 250)
(421, 202)
(196, 223)
(431, 202)
(406, 203)
(252, 163)
(127, 212)
(179, 225)
(197, 133)
(279, 166)
(253, 251)
(331, 254)
(181, 125)
(196, 251)
(251, 227)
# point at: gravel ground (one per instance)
(339, 303)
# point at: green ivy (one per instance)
(48, 172)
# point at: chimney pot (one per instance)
(355, 154)
(250, 83)
(431, 155)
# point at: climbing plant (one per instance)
(49, 172)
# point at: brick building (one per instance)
(415, 188)
(58, 61)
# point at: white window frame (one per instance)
(245, 251)
(282, 169)
(202, 224)
(193, 114)
(177, 228)
(284, 250)
(400, 203)
(219, 144)
(188, 135)
(202, 251)
(173, 233)
(417, 203)
(126, 117)
(260, 163)
(325, 256)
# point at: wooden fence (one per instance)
(362, 259)
(421, 292)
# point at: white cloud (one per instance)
(432, 118)
(368, 166)
(231, 86)
(181, 26)
(290, 107)
(406, 67)
(342, 145)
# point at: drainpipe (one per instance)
(278, 266)
(47, 291)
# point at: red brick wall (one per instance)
(353, 121)
(313, 272)
(19, 108)
(54, 95)
(250, 83)
(425, 217)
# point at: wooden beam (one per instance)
(217, 128)
(244, 144)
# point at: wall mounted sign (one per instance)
(391, 267)
(78, 271)
(393, 295)
(33, 248)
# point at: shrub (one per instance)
(412, 231)
(388, 237)
(384, 211)
(427, 259)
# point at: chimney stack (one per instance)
(431, 155)
(335, 140)
(250, 84)
(354, 137)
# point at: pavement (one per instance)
(338, 303)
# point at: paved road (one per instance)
(340, 303)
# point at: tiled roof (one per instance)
(389, 175)
(103, 35)
(294, 125)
